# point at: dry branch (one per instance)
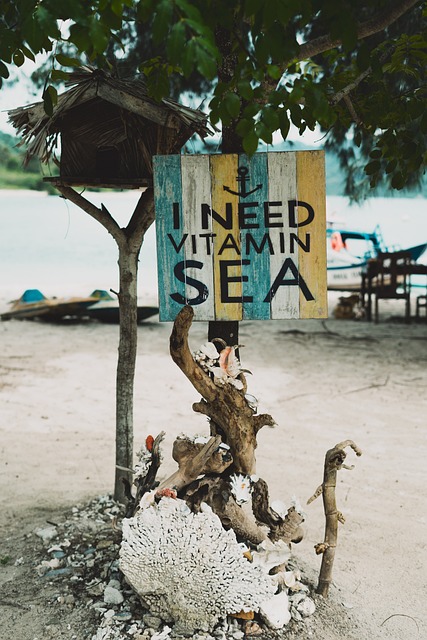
(334, 460)
(224, 405)
(195, 460)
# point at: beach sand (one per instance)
(322, 381)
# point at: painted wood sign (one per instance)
(241, 238)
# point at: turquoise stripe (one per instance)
(257, 271)
(167, 190)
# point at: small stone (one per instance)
(253, 629)
(152, 621)
(115, 584)
(46, 533)
(238, 635)
(96, 589)
(306, 607)
(109, 614)
(123, 616)
(112, 595)
(104, 544)
(53, 573)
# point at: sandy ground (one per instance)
(322, 381)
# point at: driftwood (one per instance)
(216, 492)
(334, 460)
(224, 405)
(195, 460)
(288, 528)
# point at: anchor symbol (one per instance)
(243, 178)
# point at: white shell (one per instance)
(275, 611)
(270, 554)
(241, 488)
(306, 607)
(209, 350)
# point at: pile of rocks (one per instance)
(81, 559)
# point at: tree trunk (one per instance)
(128, 270)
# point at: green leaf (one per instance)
(18, 58)
(244, 127)
(162, 20)
(28, 53)
(376, 153)
(111, 19)
(250, 143)
(158, 83)
(176, 41)
(189, 57)
(391, 166)
(117, 7)
(57, 74)
(66, 61)
(398, 181)
(4, 71)
(206, 65)
(145, 10)
(372, 167)
(263, 132)
(245, 89)
(99, 35)
(270, 118)
(50, 98)
(79, 36)
(274, 71)
(231, 102)
(284, 123)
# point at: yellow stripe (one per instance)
(312, 265)
(224, 173)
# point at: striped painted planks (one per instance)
(242, 238)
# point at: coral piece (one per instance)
(187, 569)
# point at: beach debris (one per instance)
(334, 461)
(167, 545)
(241, 487)
(227, 408)
(224, 365)
(92, 570)
(275, 611)
(47, 534)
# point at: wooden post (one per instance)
(231, 143)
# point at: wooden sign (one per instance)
(241, 238)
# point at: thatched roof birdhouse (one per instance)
(108, 129)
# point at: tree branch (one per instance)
(377, 23)
(143, 215)
(324, 43)
(102, 215)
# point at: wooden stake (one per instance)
(334, 460)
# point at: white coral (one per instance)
(187, 568)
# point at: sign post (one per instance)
(241, 238)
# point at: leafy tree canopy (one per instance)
(357, 70)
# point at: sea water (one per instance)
(48, 243)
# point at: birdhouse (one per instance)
(104, 131)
